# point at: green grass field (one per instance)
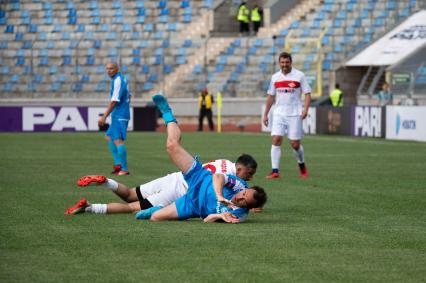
(360, 217)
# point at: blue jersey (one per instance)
(120, 93)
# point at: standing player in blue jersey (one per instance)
(119, 108)
(210, 196)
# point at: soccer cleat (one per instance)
(303, 170)
(87, 180)
(122, 173)
(146, 213)
(273, 175)
(164, 107)
(117, 168)
(78, 207)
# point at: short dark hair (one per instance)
(285, 55)
(247, 161)
(337, 86)
(260, 197)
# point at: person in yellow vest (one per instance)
(336, 97)
(256, 18)
(205, 104)
(243, 18)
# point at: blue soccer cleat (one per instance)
(164, 107)
(146, 213)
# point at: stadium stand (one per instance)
(63, 45)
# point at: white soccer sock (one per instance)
(275, 156)
(111, 184)
(97, 208)
(299, 154)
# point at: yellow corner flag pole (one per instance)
(219, 108)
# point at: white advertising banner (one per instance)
(406, 122)
(395, 45)
(309, 123)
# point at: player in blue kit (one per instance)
(209, 196)
(119, 108)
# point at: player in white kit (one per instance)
(285, 89)
(159, 192)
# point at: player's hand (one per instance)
(101, 121)
(304, 114)
(229, 217)
(256, 209)
(224, 201)
(266, 120)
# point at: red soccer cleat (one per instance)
(116, 169)
(303, 170)
(78, 207)
(87, 180)
(123, 173)
(273, 175)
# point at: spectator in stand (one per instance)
(243, 19)
(385, 96)
(256, 18)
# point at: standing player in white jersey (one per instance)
(159, 192)
(285, 90)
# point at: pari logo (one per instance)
(368, 121)
(60, 118)
(404, 124)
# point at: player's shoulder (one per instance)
(297, 72)
(276, 75)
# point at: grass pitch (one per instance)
(360, 217)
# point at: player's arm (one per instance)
(218, 183)
(269, 101)
(307, 104)
(108, 111)
(225, 216)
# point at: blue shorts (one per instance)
(198, 179)
(117, 130)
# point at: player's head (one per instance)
(253, 197)
(245, 167)
(285, 61)
(111, 69)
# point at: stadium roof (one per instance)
(403, 40)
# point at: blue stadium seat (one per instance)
(187, 43)
(162, 4)
(15, 6)
(72, 20)
(166, 43)
(135, 35)
(159, 51)
(207, 4)
(101, 86)
(181, 52)
(265, 85)
(85, 78)
(219, 68)
(112, 36)
(95, 13)
(96, 20)
(20, 61)
(48, 21)
(236, 42)
(7, 87)
(27, 44)
(55, 86)
(164, 19)
(19, 36)
(81, 28)
(230, 50)
(158, 60)
(9, 29)
(15, 78)
(3, 44)
(186, 18)
(140, 20)
(53, 70)
(251, 50)
(57, 28)
(32, 28)
(93, 5)
(90, 60)
(164, 12)
(149, 27)
(295, 25)
(42, 36)
(158, 35)
(66, 35)
(77, 87)
(136, 52)
(136, 60)
(62, 78)
(197, 69)
(126, 28)
(5, 70)
(144, 69)
(147, 86)
(234, 77)
(66, 60)
(180, 60)
(118, 20)
(44, 61)
(112, 52)
(116, 5)
(50, 44)
(103, 28)
(100, 69)
(241, 68)
(152, 78)
(222, 59)
(184, 4)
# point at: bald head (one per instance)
(112, 69)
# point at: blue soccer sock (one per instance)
(114, 152)
(164, 107)
(146, 213)
(122, 154)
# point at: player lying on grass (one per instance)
(209, 196)
(158, 193)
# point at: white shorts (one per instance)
(165, 190)
(291, 126)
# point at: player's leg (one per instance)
(121, 190)
(182, 159)
(277, 132)
(295, 135)
(167, 213)
(210, 119)
(113, 148)
(121, 147)
(200, 120)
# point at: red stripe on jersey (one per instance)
(223, 166)
(288, 84)
(210, 167)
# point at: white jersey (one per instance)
(165, 190)
(287, 90)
